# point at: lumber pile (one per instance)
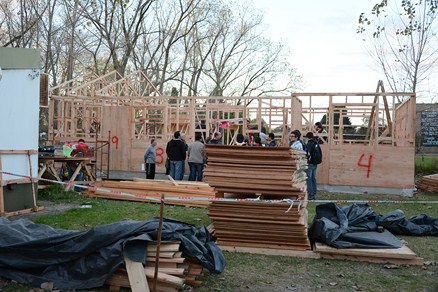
(398, 256)
(429, 183)
(259, 225)
(174, 271)
(141, 190)
(273, 173)
(270, 171)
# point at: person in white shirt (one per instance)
(295, 141)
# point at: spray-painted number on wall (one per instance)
(366, 164)
(115, 140)
(160, 158)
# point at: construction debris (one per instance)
(174, 270)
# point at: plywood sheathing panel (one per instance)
(361, 165)
(117, 120)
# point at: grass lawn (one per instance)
(247, 272)
(426, 164)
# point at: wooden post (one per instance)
(157, 255)
(31, 181)
(2, 204)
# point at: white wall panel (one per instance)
(19, 119)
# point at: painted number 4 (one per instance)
(366, 163)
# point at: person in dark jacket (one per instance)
(176, 152)
(271, 140)
(217, 138)
(314, 157)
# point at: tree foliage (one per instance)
(404, 41)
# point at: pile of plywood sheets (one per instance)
(143, 190)
(398, 256)
(429, 183)
(174, 270)
(255, 224)
(271, 171)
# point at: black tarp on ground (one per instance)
(34, 253)
(355, 226)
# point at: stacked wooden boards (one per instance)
(174, 271)
(429, 183)
(141, 190)
(276, 173)
(259, 225)
(272, 171)
(399, 256)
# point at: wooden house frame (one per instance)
(133, 111)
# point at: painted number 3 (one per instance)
(366, 164)
(159, 153)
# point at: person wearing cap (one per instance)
(295, 141)
(314, 157)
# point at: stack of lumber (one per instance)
(272, 171)
(429, 183)
(174, 271)
(259, 225)
(398, 256)
(142, 188)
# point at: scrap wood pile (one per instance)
(429, 183)
(142, 189)
(274, 172)
(174, 270)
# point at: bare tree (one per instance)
(404, 41)
(245, 62)
(120, 25)
(19, 22)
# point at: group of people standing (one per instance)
(177, 152)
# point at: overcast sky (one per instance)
(325, 47)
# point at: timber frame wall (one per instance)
(133, 111)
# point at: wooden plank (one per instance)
(18, 151)
(21, 212)
(404, 252)
(136, 275)
(2, 201)
(31, 180)
(271, 251)
(396, 261)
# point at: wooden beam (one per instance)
(136, 275)
(31, 180)
(19, 152)
(2, 201)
